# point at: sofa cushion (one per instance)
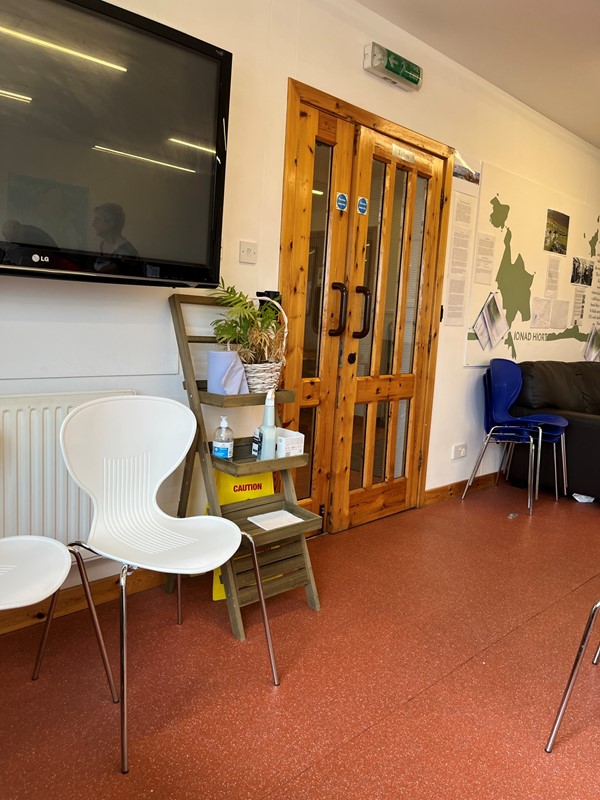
(555, 384)
(589, 376)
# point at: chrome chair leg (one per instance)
(530, 476)
(571, 682)
(510, 453)
(99, 638)
(539, 462)
(123, 647)
(563, 451)
(555, 472)
(476, 467)
(263, 606)
(505, 460)
(179, 608)
(92, 608)
(45, 632)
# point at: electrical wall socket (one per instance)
(247, 252)
(459, 451)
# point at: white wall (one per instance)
(123, 335)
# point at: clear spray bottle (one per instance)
(268, 429)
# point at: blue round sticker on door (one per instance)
(362, 205)
(341, 201)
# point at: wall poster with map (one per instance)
(549, 298)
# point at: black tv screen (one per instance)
(112, 146)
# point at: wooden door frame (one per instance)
(301, 93)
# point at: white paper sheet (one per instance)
(274, 519)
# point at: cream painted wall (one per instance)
(319, 42)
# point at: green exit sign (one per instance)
(392, 67)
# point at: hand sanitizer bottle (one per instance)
(223, 441)
(268, 430)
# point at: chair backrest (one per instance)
(120, 449)
(488, 419)
(505, 385)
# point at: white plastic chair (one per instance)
(33, 568)
(120, 450)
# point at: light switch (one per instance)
(247, 252)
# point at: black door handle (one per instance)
(337, 331)
(366, 323)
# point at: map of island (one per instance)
(593, 241)
(512, 279)
(514, 283)
(499, 213)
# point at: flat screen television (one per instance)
(113, 132)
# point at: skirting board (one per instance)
(456, 489)
(73, 599)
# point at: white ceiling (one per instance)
(545, 53)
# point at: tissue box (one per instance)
(288, 443)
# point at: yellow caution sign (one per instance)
(232, 489)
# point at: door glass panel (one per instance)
(381, 436)
(401, 435)
(371, 259)
(303, 480)
(316, 258)
(414, 276)
(390, 299)
(357, 460)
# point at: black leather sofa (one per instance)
(571, 389)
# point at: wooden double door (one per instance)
(364, 216)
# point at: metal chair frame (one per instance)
(508, 435)
(49, 584)
(574, 672)
(129, 569)
(85, 583)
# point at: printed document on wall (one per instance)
(460, 253)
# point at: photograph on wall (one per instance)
(466, 174)
(557, 232)
(583, 271)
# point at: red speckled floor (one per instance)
(433, 670)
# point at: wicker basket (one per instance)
(265, 376)
(262, 377)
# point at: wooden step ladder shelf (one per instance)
(282, 552)
(244, 463)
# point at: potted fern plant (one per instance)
(257, 330)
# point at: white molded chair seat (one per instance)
(31, 569)
(173, 545)
(120, 450)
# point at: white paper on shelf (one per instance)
(274, 519)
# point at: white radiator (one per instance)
(37, 495)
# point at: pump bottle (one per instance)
(223, 441)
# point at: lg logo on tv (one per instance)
(37, 258)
